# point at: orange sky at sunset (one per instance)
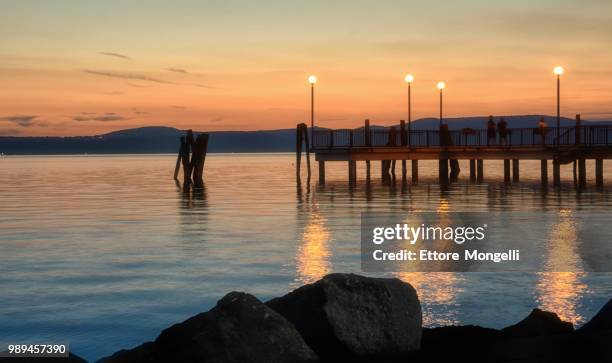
(89, 67)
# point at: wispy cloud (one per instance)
(177, 70)
(9, 132)
(121, 75)
(105, 117)
(116, 55)
(21, 120)
(178, 107)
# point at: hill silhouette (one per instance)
(153, 139)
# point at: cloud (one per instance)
(140, 77)
(178, 107)
(105, 117)
(177, 70)
(216, 119)
(116, 55)
(21, 120)
(9, 132)
(121, 75)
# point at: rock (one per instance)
(346, 315)
(239, 328)
(538, 323)
(601, 321)
(72, 358)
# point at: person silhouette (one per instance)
(502, 129)
(543, 128)
(491, 131)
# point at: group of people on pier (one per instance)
(502, 130)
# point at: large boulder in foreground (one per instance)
(346, 315)
(240, 328)
(602, 321)
(538, 323)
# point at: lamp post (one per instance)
(441, 87)
(312, 80)
(409, 79)
(558, 71)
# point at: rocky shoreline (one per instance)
(351, 318)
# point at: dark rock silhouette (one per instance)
(538, 323)
(239, 328)
(601, 321)
(346, 315)
(72, 358)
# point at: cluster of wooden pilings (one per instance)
(191, 155)
(302, 139)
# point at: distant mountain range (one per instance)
(147, 140)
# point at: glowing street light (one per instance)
(312, 80)
(558, 71)
(409, 79)
(441, 87)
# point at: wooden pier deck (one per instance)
(390, 144)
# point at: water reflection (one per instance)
(561, 291)
(438, 291)
(313, 254)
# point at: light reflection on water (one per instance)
(105, 251)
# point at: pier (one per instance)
(563, 145)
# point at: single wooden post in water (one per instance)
(198, 157)
(298, 151)
(177, 167)
(479, 170)
(185, 162)
(352, 171)
(544, 172)
(443, 171)
(454, 170)
(515, 170)
(506, 170)
(472, 170)
(307, 144)
(575, 173)
(599, 173)
(415, 171)
(368, 171)
(321, 172)
(393, 169)
(582, 173)
(556, 173)
(404, 172)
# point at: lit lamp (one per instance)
(409, 79)
(312, 80)
(441, 87)
(558, 71)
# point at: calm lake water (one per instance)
(105, 251)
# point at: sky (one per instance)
(86, 67)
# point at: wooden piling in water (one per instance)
(443, 171)
(322, 172)
(368, 167)
(515, 170)
(582, 173)
(415, 171)
(479, 170)
(544, 172)
(556, 173)
(506, 170)
(599, 173)
(177, 167)
(198, 158)
(301, 136)
(472, 170)
(185, 162)
(352, 171)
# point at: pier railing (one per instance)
(516, 137)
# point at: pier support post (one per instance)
(556, 173)
(415, 171)
(454, 170)
(321, 172)
(599, 173)
(581, 173)
(443, 171)
(472, 170)
(544, 172)
(393, 169)
(515, 170)
(479, 170)
(404, 172)
(507, 170)
(368, 171)
(352, 170)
